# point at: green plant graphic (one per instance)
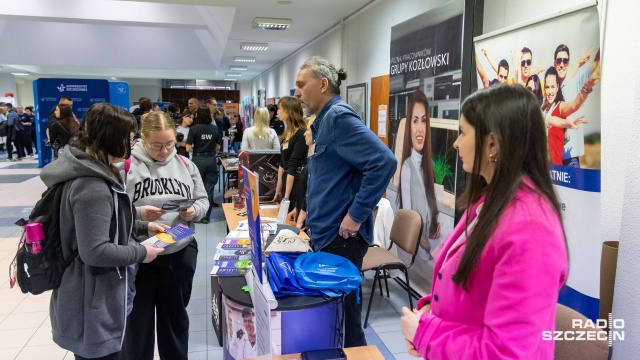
(441, 169)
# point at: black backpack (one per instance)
(37, 273)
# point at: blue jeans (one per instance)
(236, 146)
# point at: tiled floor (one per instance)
(25, 329)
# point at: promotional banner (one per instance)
(119, 94)
(558, 60)
(424, 107)
(253, 218)
(47, 94)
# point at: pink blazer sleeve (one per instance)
(529, 264)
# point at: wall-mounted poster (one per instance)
(554, 59)
(424, 108)
(262, 97)
(357, 98)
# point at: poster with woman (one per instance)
(558, 59)
(424, 106)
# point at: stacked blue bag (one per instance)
(312, 274)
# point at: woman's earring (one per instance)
(493, 158)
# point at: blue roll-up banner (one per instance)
(47, 94)
(119, 94)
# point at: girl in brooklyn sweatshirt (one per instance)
(156, 174)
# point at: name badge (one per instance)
(312, 150)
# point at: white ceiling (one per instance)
(157, 39)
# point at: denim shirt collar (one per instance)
(317, 123)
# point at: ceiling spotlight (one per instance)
(20, 74)
(230, 74)
(271, 24)
(237, 68)
(244, 59)
(250, 46)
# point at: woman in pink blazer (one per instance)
(496, 279)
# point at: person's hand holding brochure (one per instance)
(171, 236)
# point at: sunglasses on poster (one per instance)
(562, 61)
(524, 63)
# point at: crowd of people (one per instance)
(560, 89)
(19, 133)
(496, 276)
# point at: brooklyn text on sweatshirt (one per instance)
(161, 186)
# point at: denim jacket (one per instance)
(348, 173)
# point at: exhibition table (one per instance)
(290, 321)
(233, 219)
(370, 352)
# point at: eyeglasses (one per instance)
(562, 61)
(524, 63)
(158, 146)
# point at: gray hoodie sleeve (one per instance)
(92, 212)
(199, 193)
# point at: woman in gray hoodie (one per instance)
(88, 310)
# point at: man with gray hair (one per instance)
(349, 169)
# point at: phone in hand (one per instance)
(178, 205)
(327, 354)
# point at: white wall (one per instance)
(144, 87)
(8, 85)
(361, 46)
(24, 90)
(621, 164)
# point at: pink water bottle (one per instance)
(35, 237)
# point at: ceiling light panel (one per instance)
(237, 68)
(271, 24)
(230, 74)
(251, 46)
(250, 59)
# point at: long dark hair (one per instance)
(295, 121)
(512, 114)
(418, 97)
(106, 130)
(537, 87)
(66, 118)
(559, 97)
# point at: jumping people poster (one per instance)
(558, 59)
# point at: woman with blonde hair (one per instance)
(156, 175)
(260, 136)
(293, 151)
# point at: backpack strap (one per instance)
(183, 161)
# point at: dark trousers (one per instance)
(354, 250)
(14, 140)
(163, 290)
(114, 356)
(34, 139)
(26, 142)
(208, 169)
